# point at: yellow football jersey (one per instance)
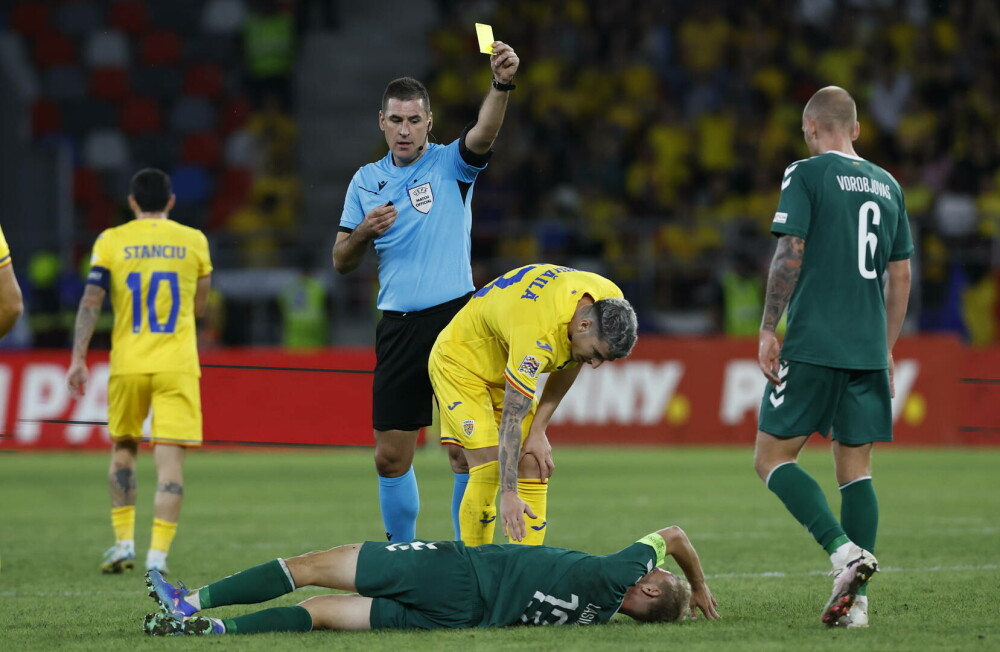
(4, 251)
(516, 327)
(151, 269)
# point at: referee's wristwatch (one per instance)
(502, 87)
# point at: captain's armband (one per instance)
(656, 542)
(99, 276)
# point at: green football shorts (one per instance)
(419, 585)
(852, 405)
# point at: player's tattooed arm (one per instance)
(516, 407)
(785, 268)
(86, 319)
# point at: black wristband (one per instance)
(503, 87)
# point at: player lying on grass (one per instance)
(444, 584)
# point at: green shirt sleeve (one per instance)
(795, 205)
(902, 246)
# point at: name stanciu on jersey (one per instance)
(863, 184)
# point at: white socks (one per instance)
(156, 559)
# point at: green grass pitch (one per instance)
(939, 546)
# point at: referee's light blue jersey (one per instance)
(424, 257)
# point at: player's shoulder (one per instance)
(185, 231)
(817, 163)
(887, 176)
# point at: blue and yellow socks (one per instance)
(457, 493)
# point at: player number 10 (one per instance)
(134, 283)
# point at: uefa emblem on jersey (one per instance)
(468, 427)
(422, 197)
(529, 366)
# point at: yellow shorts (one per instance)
(176, 403)
(470, 409)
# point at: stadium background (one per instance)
(644, 142)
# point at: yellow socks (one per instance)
(123, 522)
(478, 514)
(163, 535)
(535, 492)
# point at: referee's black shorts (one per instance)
(402, 390)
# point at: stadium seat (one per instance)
(54, 49)
(30, 18)
(83, 116)
(46, 118)
(204, 79)
(106, 48)
(213, 48)
(157, 82)
(155, 150)
(101, 214)
(64, 83)
(77, 18)
(129, 16)
(192, 114)
(109, 84)
(234, 114)
(106, 149)
(86, 187)
(202, 148)
(160, 48)
(236, 183)
(223, 17)
(239, 149)
(220, 210)
(192, 184)
(179, 15)
(140, 115)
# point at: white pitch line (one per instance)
(313, 589)
(888, 569)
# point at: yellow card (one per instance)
(485, 35)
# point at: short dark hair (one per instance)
(616, 324)
(151, 190)
(406, 88)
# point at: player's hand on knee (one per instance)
(538, 446)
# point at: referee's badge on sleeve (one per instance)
(422, 197)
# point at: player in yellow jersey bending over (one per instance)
(158, 273)
(485, 366)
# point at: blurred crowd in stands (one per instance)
(649, 138)
(646, 140)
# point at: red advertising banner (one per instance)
(708, 391)
(247, 397)
(670, 391)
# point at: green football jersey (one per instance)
(542, 585)
(852, 216)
